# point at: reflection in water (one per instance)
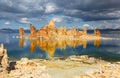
(33, 45)
(21, 42)
(97, 43)
(50, 46)
(84, 44)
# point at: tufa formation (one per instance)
(97, 32)
(21, 32)
(51, 31)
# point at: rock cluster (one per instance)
(3, 57)
(50, 31)
(108, 71)
(24, 68)
(28, 69)
(104, 71)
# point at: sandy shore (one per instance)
(81, 67)
(70, 67)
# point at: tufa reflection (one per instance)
(21, 42)
(97, 42)
(50, 46)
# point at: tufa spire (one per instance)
(51, 24)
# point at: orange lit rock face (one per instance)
(97, 32)
(42, 32)
(51, 25)
(50, 31)
(21, 31)
(61, 31)
(32, 30)
(73, 32)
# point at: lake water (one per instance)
(17, 48)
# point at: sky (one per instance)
(70, 13)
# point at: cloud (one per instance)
(24, 20)
(110, 24)
(50, 8)
(69, 10)
(57, 19)
(7, 23)
(87, 10)
(88, 26)
(91, 10)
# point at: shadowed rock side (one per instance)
(50, 31)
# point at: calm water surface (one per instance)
(17, 48)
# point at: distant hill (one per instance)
(106, 31)
(103, 31)
(5, 30)
(110, 31)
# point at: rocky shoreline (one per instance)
(70, 67)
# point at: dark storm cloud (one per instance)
(87, 10)
(91, 10)
(88, 5)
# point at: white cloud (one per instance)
(110, 24)
(7, 23)
(57, 19)
(24, 20)
(72, 11)
(88, 26)
(50, 8)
